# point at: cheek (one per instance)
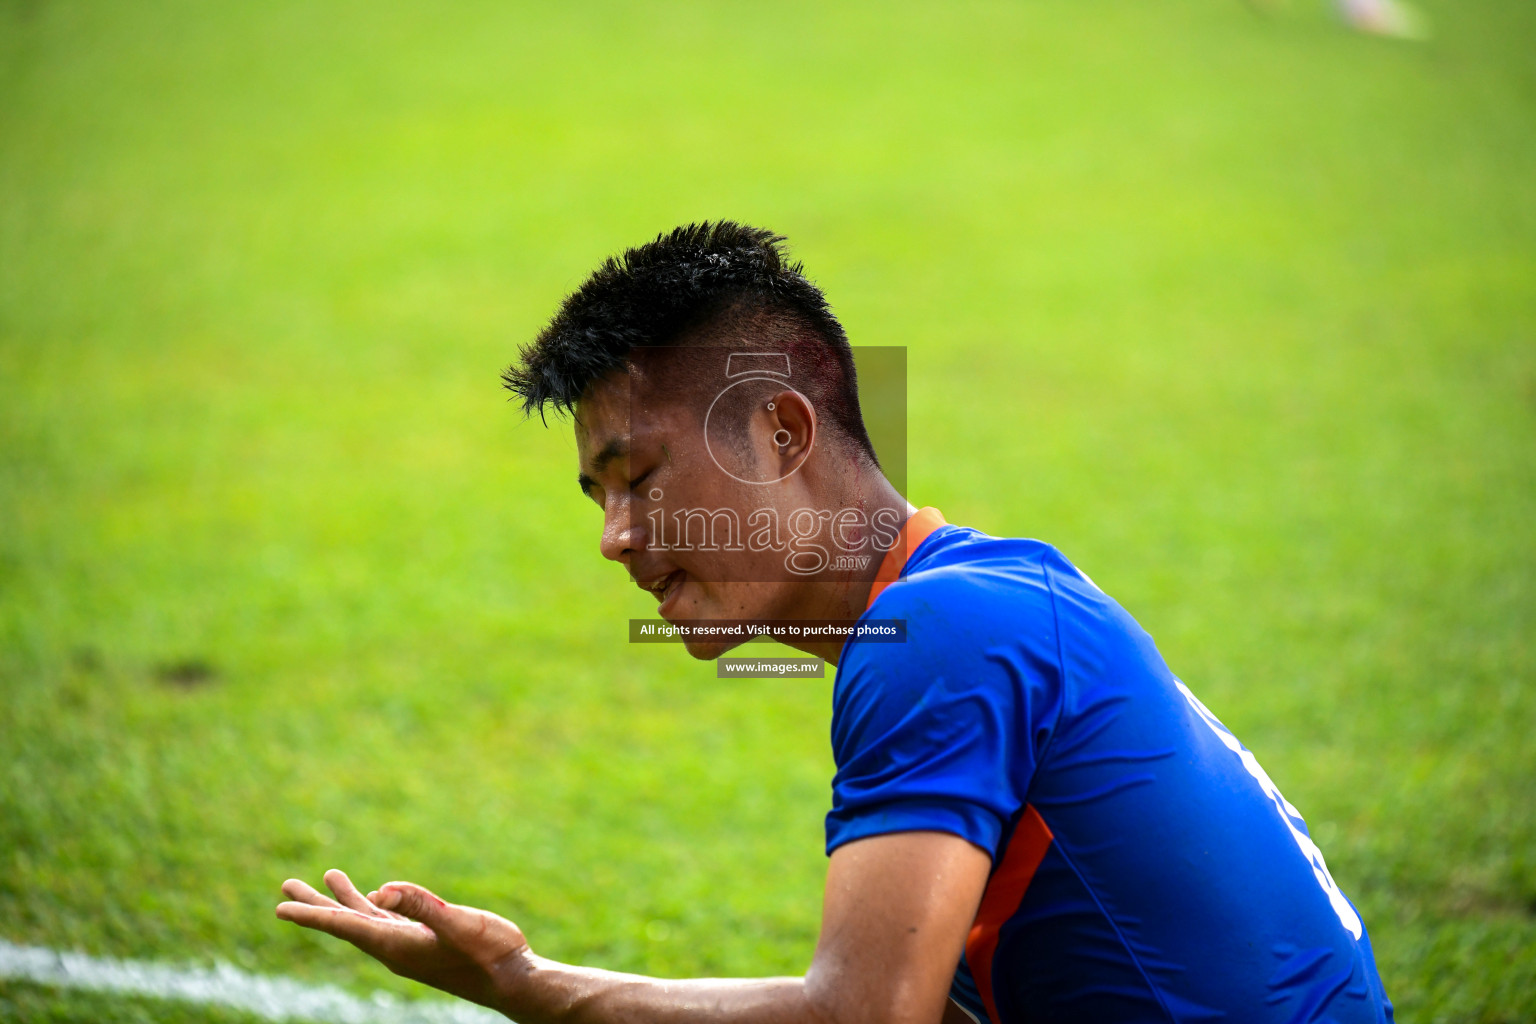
(738, 599)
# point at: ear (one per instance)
(791, 430)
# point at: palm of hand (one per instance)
(467, 952)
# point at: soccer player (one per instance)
(1032, 818)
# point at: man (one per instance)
(1032, 819)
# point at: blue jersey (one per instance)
(1145, 868)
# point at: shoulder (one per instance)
(980, 625)
(942, 730)
(964, 590)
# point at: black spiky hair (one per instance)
(682, 283)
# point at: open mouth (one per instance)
(666, 587)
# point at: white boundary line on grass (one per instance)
(276, 999)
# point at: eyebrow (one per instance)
(614, 449)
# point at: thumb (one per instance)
(414, 902)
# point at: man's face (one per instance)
(682, 493)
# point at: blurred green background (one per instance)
(1237, 309)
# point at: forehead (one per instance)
(623, 410)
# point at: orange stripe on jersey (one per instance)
(913, 532)
(1005, 891)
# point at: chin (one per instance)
(704, 607)
(709, 650)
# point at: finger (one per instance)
(348, 895)
(418, 904)
(373, 898)
(334, 920)
(373, 935)
(303, 892)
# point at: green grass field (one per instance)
(1239, 311)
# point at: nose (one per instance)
(623, 534)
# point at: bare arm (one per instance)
(895, 915)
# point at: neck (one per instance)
(843, 595)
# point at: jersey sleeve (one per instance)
(936, 733)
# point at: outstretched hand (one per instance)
(466, 952)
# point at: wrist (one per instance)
(529, 988)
